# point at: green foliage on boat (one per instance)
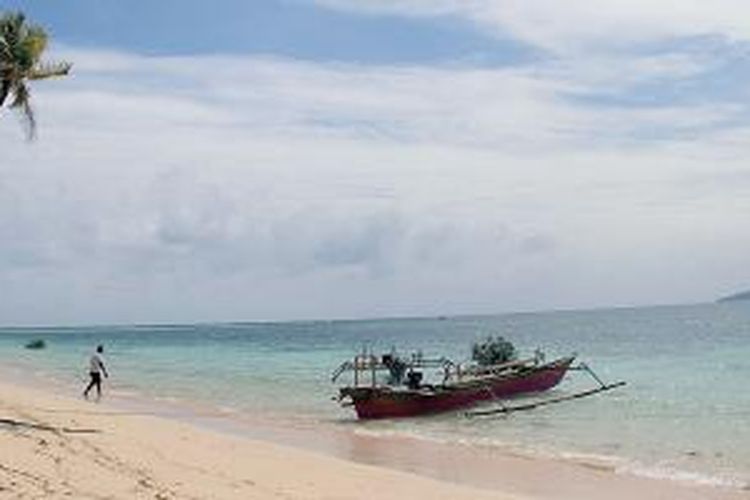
(36, 344)
(493, 351)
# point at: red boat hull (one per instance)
(374, 403)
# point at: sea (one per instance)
(683, 415)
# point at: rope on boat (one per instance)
(587, 369)
(495, 397)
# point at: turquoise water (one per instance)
(684, 414)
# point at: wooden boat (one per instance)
(461, 387)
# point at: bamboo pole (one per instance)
(531, 406)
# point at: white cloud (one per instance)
(576, 24)
(274, 188)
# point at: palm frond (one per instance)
(48, 70)
(23, 43)
(35, 41)
(10, 36)
(21, 47)
(22, 102)
(6, 54)
(4, 90)
(11, 27)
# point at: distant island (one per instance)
(736, 296)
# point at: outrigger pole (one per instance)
(504, 410)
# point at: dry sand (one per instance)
(94, 451)
(57, 447)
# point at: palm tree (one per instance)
(21, 48)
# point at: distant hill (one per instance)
(736, 296)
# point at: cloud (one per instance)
(518, 106)
(575, 25)
(274, 188)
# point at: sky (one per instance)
(300, 159)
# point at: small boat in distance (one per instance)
(404, 394)
(36, 344)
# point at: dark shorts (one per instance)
(96, 377)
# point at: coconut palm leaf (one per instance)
(21, 48)
(48, 70)
(21, 102)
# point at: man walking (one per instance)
(96, 369)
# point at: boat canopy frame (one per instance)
(366, 366)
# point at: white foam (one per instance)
(671, 473)
(228, 410)
(617, 464)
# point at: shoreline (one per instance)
(444, 466)
(55, 447)
(337, 437)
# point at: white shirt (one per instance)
(95, 363)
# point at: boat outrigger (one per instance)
(404, 394)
